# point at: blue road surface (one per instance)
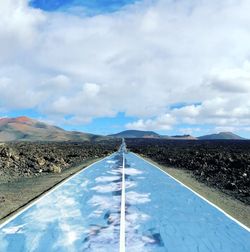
(84, 214)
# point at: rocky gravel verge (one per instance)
(224, 165)
(26, 159)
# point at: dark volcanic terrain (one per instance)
(224, 165)
(29, 169)
(30, 159)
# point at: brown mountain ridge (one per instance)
(26, 129)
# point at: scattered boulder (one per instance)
(55, 168)
(41, 161)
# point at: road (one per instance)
(123, 203)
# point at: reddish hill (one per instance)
(26, 129)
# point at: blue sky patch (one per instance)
(90, 7)
(104, 125)
(180, 105)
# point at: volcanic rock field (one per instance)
(224, 165)
(27, 159)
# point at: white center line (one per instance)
(122, 220)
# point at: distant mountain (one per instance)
(150, 134)
(183, 137)
(136, 134)
(221, 136)
(27, 129)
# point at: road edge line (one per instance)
(49, 192)
(200, 196)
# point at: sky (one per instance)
(102, 66)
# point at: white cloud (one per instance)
(235, 80)
(223, 113)
(139, 61)
(163, 122)
(19, 29)
(217, 111)
(187, 111)
(90, 89)
(60, 82)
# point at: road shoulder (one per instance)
(233, 207)
(17, 195)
